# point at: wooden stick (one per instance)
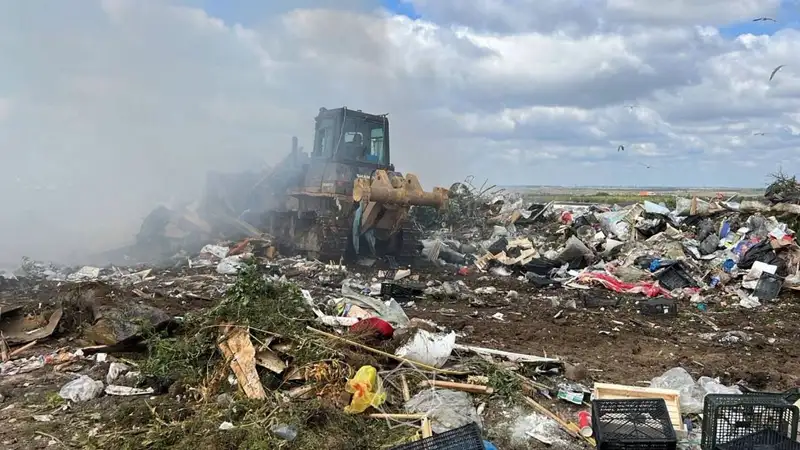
(3, 349)
(466, 387)
(427, 428)
(384, 354)
(19, 350)
(530, 383)
(398, 416)
(511, 356)
(406, 391)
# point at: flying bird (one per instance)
(758, 134)
(648, 166)
(765, 19)
(630, 107)
(774, 71)
(621, 148)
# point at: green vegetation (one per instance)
(505, 383)
(319, 425)
(602, 198)
(269, 308)
(606, 198)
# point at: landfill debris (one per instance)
(432, 349)
(285, 432)
(239, 351)
(367, 389)
(81, 389)
(127, 391)
(525, 427)
(124, 323)
(507, 298)
(691, 393)
(14, 330)
(447, 409)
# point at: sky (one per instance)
(111, 107)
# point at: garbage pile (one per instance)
(237, 346)
(344, 348)
(714, 252)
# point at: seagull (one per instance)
(758, 134)
(630, 107)
(648, 166)
(621, 148)
(765, 19)
(774, 71)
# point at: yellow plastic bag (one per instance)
(367, 390)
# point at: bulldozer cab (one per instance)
(352, 137)
(348, 144)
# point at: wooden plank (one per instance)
(606, 391)
(240, 354)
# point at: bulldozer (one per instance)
(345, 199)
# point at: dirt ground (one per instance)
(620, 345)
(611, 344)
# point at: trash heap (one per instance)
(339, 364)
(713, 252)
(237, 346)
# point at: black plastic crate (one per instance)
(768, 286)
(675, 277)
(727, 418)
(659, 307)
(790, 396)
(600, 302)
(400, 291)
(763, 440)
(467, 437)
(641, 424)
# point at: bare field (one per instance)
(611, 195)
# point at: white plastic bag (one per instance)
(231, 265)
(428, 348)
(447, 409)
(680, 380)
(217, 250)
(81, 389)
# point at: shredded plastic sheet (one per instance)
(389, 311)
(647, 288)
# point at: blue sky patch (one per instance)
(788, 16)
(400, 7)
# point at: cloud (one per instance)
(580, 16)
(108, 107)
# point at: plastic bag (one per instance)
(763, 252)
(81, 389)
(613, 222)
(232, 264)
(447, 409)
(428, 348)
(217, 250)
(680, 380)
(367, 390)
(389, 311)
